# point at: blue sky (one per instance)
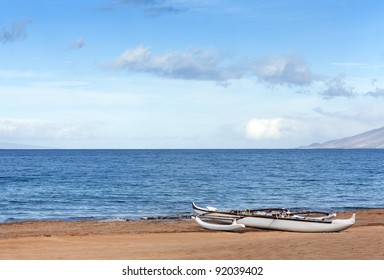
(189, 73)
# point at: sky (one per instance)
(164, 74)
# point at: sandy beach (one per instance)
(184, 240)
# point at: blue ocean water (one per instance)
(130, 184)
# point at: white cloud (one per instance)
(19, 127)
(284, 70)
(78, 44)
(275, 128)
(378, 92)
(337, 87)
(15, 32)
(162, 10)
(134, 59)
(205, 64)
(148, 7)
(193, 64)
(14, 128)
(208, 65)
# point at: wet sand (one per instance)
(185, 240)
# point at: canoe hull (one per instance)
(277, 223)
(224, 227)
(297, 225)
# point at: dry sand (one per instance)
(184, 240)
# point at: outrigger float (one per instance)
(270, 218)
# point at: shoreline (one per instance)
(185, 240)
(163, 218)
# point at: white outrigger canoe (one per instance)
(270, 218)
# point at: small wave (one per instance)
(167, 217)
(114, 220)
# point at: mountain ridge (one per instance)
(372, 139)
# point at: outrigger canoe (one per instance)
(270, 218)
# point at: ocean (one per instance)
(73, 185)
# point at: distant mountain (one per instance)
(373, 139)
(9, 146)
